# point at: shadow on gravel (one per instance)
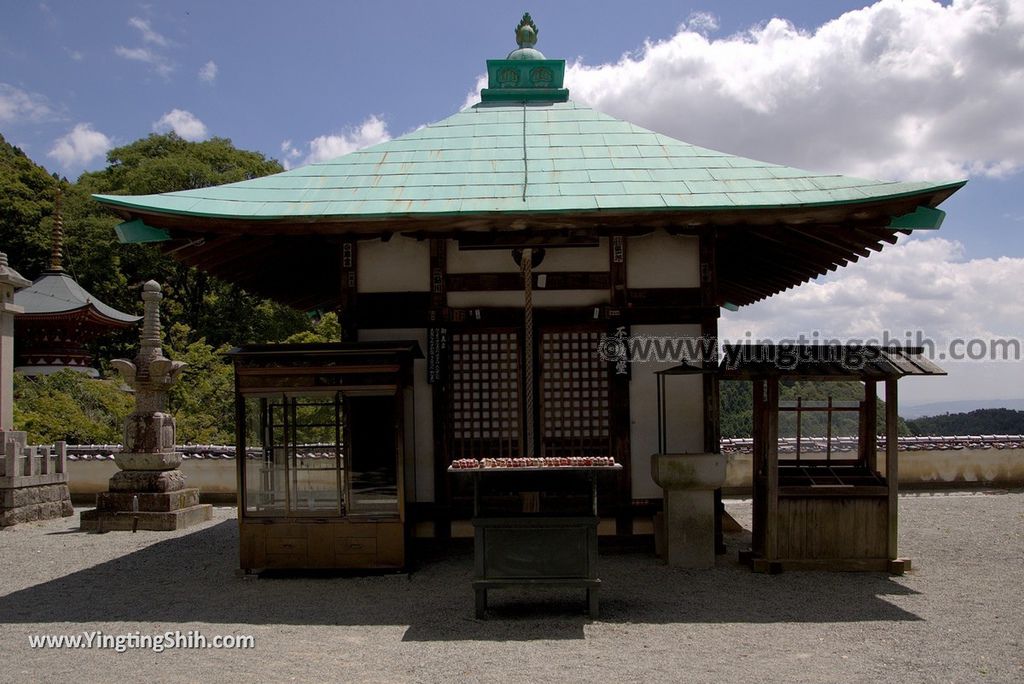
(191, 579)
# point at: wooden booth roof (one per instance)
(527, 161)
(823, 362)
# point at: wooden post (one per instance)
(619, 387)
(772, 467)
(758, 468)
(709, 330)
(348, 285)
(892, 474)
(870, 431)
(440, 390)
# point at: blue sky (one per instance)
(912, 89)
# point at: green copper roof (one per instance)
(555, 157)
(524, 149)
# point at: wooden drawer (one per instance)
(294, 545)
(356, 545)
(286, 561)
(355, 560)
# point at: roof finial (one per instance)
(56, 248)
(526, 37)
(526, 32)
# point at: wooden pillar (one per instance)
(758, 474)
(711, 392)
(440, 387)
(870, 428)
(619, 386)
(892, 474)
(771, 431)
(348, 286)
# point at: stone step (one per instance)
(149, 502)
(113, 521)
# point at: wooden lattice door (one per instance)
(574, 394)
(486, 418)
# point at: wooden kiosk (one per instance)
(322, 444)
(819, 508)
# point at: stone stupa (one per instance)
(149, 491)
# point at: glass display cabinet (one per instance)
(324, 433)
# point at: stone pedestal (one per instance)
(689, 482)
(146, 500)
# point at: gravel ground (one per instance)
(958, 617)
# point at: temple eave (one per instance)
(87, 314)
(868, 209)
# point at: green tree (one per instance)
(70, 406)
(326, 329)
(202, 401)
(26, 198)
(217, 311)
(997, 421)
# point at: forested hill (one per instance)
(737, 402)
(998, 421)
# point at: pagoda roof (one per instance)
(522, 159)
(56, 294)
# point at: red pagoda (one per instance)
(60, 318)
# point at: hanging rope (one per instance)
(526, 265)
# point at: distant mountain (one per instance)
(737, 409)
(994, 421)
(963, 406)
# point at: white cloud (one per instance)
(702, 22)
(146, 56)
(900, 89)
(80, 146)
(370, 132)
(916, 285)
(17, 105)
(182, 122)
(148, 34)
(208, 72)
(950, 297)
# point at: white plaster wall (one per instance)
(685, 414)
(966, 467)
(663, 260)
(400, 265)
(501, 261)
(423, 459)
(558, 259)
